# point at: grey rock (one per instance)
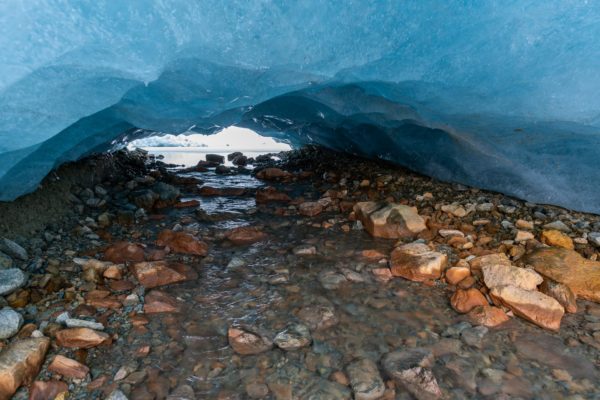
(365, 380)
(474, 336)
(13, 249)
(411, 370)
(594, 238)
(331, 279)
(117, 395)
(10, 323)
(294, 337)
(10, 280)
(558, 225)
(81, 323)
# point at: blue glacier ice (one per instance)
(499, 95)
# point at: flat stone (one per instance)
(156, 273)
(489, 316)
(318, 316)
(561, 292)
(294, 337)
(388, 220)
(181, 242)
(82, 323)
(417, 262)
(245, 235)
(247, 340)
(10, 323)
(365, 380)
(13, 249)
(552, 237)
(81, 338)
(10, 280)
(68, 368)
(310, 208)
(565, 266)
(331, 279)
(559, 226)
(478, 263)
(158, 301)
(505, 275)
(411, 369)
(20, 362)
(531, 305)
(122, 252)
(464, 301)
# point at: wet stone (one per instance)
(20, 363)
(318, 317)
(248, 341)
(157, 273)
(5, 261)
(561, 293)
(294, 337)
(503, 275)
(387, 220)
(67, 367)
(245, 235)
(81, 338)
(181, 242)
(157, 301)
(365, 380)
(487, 315)
(10, 280)
(331, 279)
(474, 336)
(13, 249)
(44, 390)
(10, 322)
(417, 262)
(411, 370)
(464, 301)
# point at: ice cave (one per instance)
(498, 95)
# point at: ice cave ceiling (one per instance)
(499, 95)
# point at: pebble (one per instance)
(559, 226)
(81, 323)
(365, 380)
(474, 336)
(294, 337)
(10, 280)
(10, 323)
(13, 249)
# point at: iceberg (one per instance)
(499, 95)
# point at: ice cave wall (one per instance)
(500, 95)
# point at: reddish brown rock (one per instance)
(310, 208)
(245, 235)
(81, 338)
(122, 252)
(181, 242)
(273, 174)
(503, 275)
(68, 368)
(20, 362)
(562, 293)
(565, 266)
(41, 390)
(464, 301)
(388, 220)
(531, 305)
(270, 194)
(246, 341)
(160, 302)
(157, 273)
(113, 272)
(372, 254)
(417, 262)
(487, 315)
(186, 204)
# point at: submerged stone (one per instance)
(365, 380)
(411, 369)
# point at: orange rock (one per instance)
(157, 273)
(310, 208)
(464, 301)
(556, 238)
(113, 272)
(20, 362)
(581, 275)
(81, 338)
(372, 254)
(382, 274)
(531, 305)
(122, 252)
(487, 315)
(160, 302)
(388, 220)
(245, 235)
(270, 194)
(273, 174)
(41, 390)
(68, 368)
(244, 341)
(181, 242)
(457, 274)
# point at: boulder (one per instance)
(20, 362)
(215, 158)
(388, 220)
(417, 262)
(565, 266)
(531, 305)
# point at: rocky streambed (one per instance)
(315, 275)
